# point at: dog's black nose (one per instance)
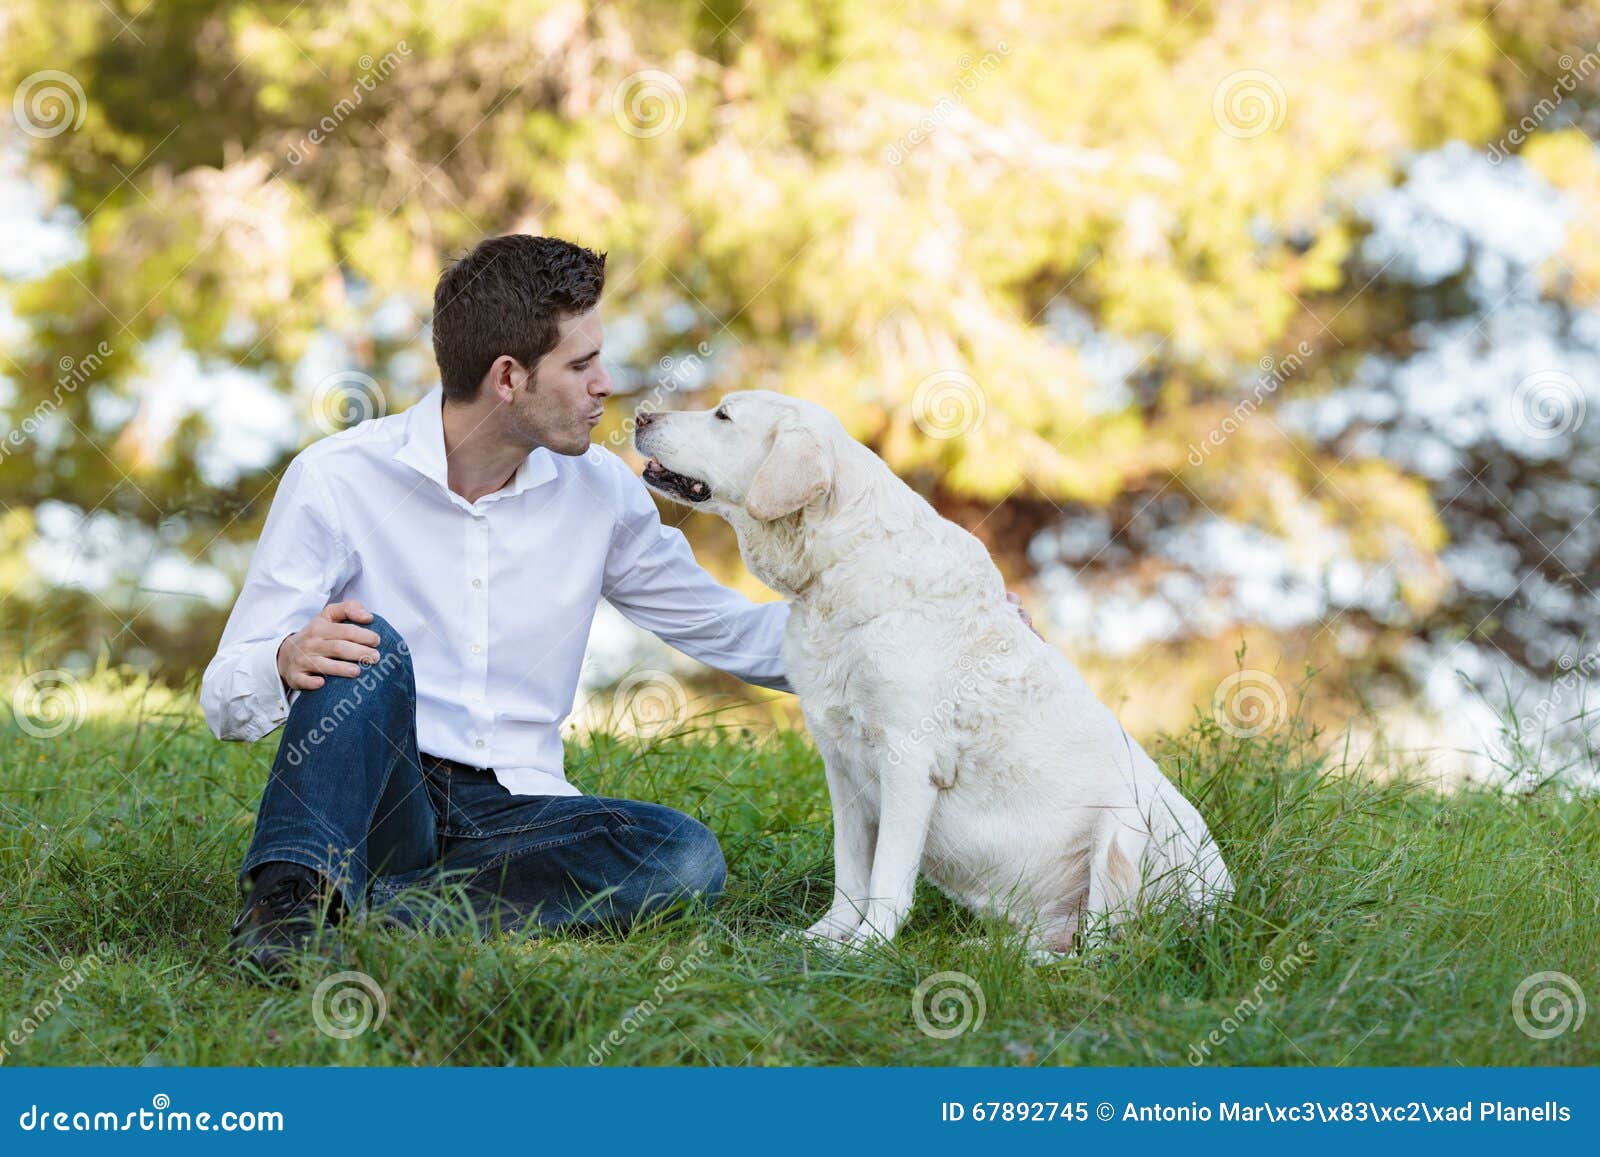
(643, 418)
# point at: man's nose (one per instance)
(602, 387)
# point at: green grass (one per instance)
(1422, 913)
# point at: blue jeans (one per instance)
(350, 796)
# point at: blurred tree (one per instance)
(887, 210)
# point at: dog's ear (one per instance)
(797, 471)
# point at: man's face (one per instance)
(562, 405)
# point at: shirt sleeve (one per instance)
(299, 562)
(652, 578)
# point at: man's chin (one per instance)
(573, 449)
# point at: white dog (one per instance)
(956, 742)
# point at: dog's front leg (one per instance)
(904, 813)
(853, 833)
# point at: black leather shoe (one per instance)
(289, 911)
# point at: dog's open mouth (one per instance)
(677, 485)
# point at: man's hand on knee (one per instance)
(330, 644)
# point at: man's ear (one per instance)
(797, 471)
(506, 375)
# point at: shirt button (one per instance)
(477, 582)
(476, 648)
(481, 743)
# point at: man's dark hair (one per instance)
(507, 297)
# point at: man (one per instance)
(415, 617)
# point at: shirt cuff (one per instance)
(258, 691)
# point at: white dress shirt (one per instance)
(494, 598)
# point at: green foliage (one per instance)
(855, 200)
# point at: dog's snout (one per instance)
(643, 418)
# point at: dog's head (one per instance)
(760, 452)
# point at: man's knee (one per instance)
(689, 860)
(389, 639)
(388, 680)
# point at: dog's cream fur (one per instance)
(956, 742)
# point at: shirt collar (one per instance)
(422, 449)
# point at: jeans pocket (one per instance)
(457, 794)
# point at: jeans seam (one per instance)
(507, 857)
(483, 833)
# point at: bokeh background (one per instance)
(1260, 341)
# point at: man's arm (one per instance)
(300, 561)
(652, 577)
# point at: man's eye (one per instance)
(722, 415)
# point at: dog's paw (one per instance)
(833, 929)
(865, 937)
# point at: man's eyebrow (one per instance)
(591, 355)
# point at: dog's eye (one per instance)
(722, 415)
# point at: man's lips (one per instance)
(678, 485)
